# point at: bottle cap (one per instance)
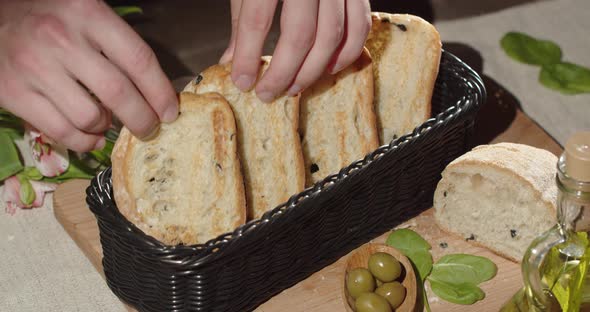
(577, 156)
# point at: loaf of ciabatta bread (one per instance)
(184, 186)
(268, 141)
(338, 120)
(501, 196)
(406, 53)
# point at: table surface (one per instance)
(42, 268)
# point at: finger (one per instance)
(73, 101)
(50, 78)
(36, 109)
(358, 24)
(253, 26)
(114, 90)
(122, 46)
(329, 34)
(298, 30)
(235, 14)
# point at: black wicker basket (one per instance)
(238, 271)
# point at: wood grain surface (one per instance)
(322, 291)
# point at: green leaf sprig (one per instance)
(454, 278)
(555, 74)
(413, 246)
(9, 157)
(127, 10)
(80, 167)
(566, 77)
(529, 50)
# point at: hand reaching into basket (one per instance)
(315, 36)
(52, 50)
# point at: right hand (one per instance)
(315, 36)
(50, 46)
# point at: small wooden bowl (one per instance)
(360, 259)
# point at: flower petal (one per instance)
(11, 191)
(11, 194)
(40, 189)
(10, 208)
(51, 159)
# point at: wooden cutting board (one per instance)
(504, 122)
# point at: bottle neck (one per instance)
(573, 201)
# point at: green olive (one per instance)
(371, 302)
(359, 281)
(394, 293)
(384, 267)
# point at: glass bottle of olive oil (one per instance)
(555, 266)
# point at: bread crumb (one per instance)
(406, 225)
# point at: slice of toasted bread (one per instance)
(268, 142)
(338, 120)
(406, 53)
(185, 186)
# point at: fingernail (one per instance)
(170, 114)
(100, 144)
(244, 82)
(153, 133)
(266, 96)
(336, 68)
(294, 90)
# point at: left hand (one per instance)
(315, 36)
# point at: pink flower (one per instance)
(17, 195)
(51, 159)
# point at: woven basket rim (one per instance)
(199, 254)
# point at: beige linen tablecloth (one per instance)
(565, 22)
(41, 269)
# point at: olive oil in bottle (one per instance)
(555, 267)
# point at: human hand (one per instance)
(315, 35)
(50, 47)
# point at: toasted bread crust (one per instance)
(119, 168)
(189, 221)
(268, 140)
(406, 53)
(338, 123)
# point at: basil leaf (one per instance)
(566, 77)
(453, 278)
(413, 246)
(126, 10)
(406, 240)
(26, 192)
(456, 293)
(10, 162)
(463, 269)
(422, 261)
(526, 49)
